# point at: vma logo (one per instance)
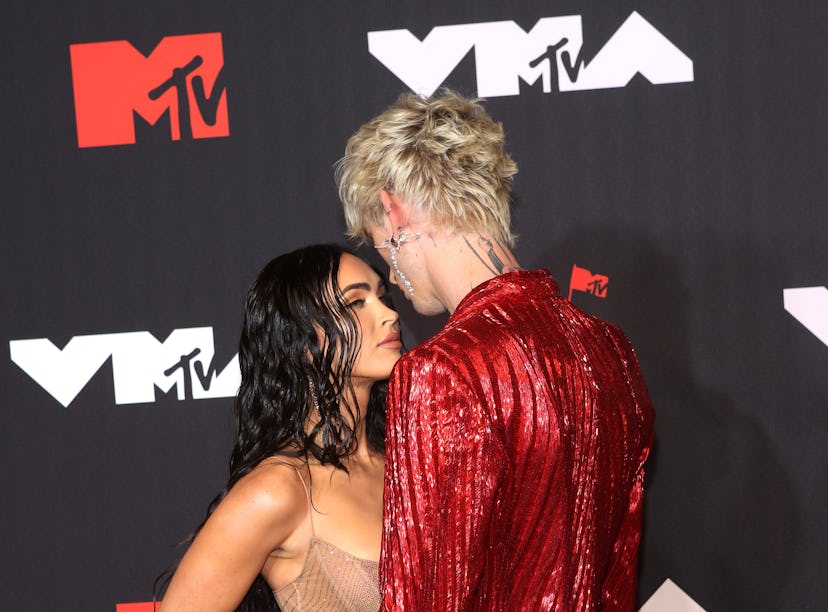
(809, 306)
(582, 279)
(182, 81)
(140, 364)
(551, 51)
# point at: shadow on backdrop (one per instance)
(720, 516)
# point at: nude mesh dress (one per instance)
(331, 580)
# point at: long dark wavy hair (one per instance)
(298, 346)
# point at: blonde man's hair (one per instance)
(444, 156)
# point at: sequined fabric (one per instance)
(331, 581)
(516, 439)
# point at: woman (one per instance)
(301, 516)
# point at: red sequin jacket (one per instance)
(516, 439)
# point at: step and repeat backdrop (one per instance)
(155, 155)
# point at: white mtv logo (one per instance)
(504, 54)
(809, 305)
(140, 363)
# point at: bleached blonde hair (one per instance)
(443, 156)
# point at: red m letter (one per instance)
(112, 80)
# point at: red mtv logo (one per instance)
(584, 280)
(182, 77)
(137, 607)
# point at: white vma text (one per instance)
(140, 364)
(670, 598)
(809, 306)
(551, 51)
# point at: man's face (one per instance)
(411, 264)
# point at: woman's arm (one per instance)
(252, 521)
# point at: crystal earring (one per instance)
(393, 244)
(392, 252)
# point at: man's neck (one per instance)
(460, 262)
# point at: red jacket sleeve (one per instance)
(619, 588)
(442, 471)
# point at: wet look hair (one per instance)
(298, 346)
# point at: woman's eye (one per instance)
(356, 303)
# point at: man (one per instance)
(516, 436)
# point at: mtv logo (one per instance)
(584, 280)
(505, 54)
(140, 365)
(182, 78)
(147, 606)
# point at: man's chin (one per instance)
(428, 309)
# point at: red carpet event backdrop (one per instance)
(156, 155)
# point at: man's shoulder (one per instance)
(432, 350)
(516, 320)
(445, 355)
(519, 320)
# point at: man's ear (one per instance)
(396, 209)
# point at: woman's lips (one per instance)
(392, 341)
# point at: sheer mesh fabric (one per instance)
(331, 580)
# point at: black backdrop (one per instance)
(700, 201)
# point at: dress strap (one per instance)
(310, 500)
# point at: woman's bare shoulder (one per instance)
(272, 493)
(256, 517)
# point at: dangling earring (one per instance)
(392, 252)
(393, 245)
(314, 398)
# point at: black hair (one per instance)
(297, 349)
(298, 346)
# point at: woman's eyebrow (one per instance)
(352, 286)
